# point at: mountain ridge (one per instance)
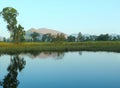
(45, 31)
(42, 31)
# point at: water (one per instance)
(60, 70)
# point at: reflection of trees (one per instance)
(56, 55)
(35, 54)
(16, 65)
(60, 55)
(80, 52)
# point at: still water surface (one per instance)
(60, 70)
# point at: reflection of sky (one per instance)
(4, 62)
(89, 70)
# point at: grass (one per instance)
(112, 46)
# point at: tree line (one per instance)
(17, 32)
(79, 38)
(101, 37)
(35, 37)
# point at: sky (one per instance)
(68, 16)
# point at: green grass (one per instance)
(61, 46)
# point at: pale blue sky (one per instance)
(69, 16)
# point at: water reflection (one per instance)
(44, 55)
(75, 70)
(80, 52)
(17, 64)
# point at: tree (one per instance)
(9, 15)
(60, 37)
(103, 37)
(4, 39)
(47, 37)
(89, 38)
(34, 36)
(19, 34)
(79, 37)
(71, 38)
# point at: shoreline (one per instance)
(29, 47)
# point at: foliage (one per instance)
(47, 37)
(65, 46)
(34, 36)
(9, 15)
(79, 37)
(103, 37)
(4, 39)
(59, 38)
(71, 38)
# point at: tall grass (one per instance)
(62, 46)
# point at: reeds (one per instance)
(63, 46)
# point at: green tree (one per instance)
(71, 38)
(9, 15)
(60, 37)
(34, 36)
(103, 37)
(79, 37)
(19, 34)
(4, 39)
(47, 37)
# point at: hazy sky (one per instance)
(69, 16)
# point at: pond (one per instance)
(60, 70)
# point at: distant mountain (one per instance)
(45, 31)
(42, 31)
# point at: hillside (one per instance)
(42, 31)
(45, 31)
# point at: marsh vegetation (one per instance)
(61, 46)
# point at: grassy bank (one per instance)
(65, 46)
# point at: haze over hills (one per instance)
(42, 31)
(45, 31)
